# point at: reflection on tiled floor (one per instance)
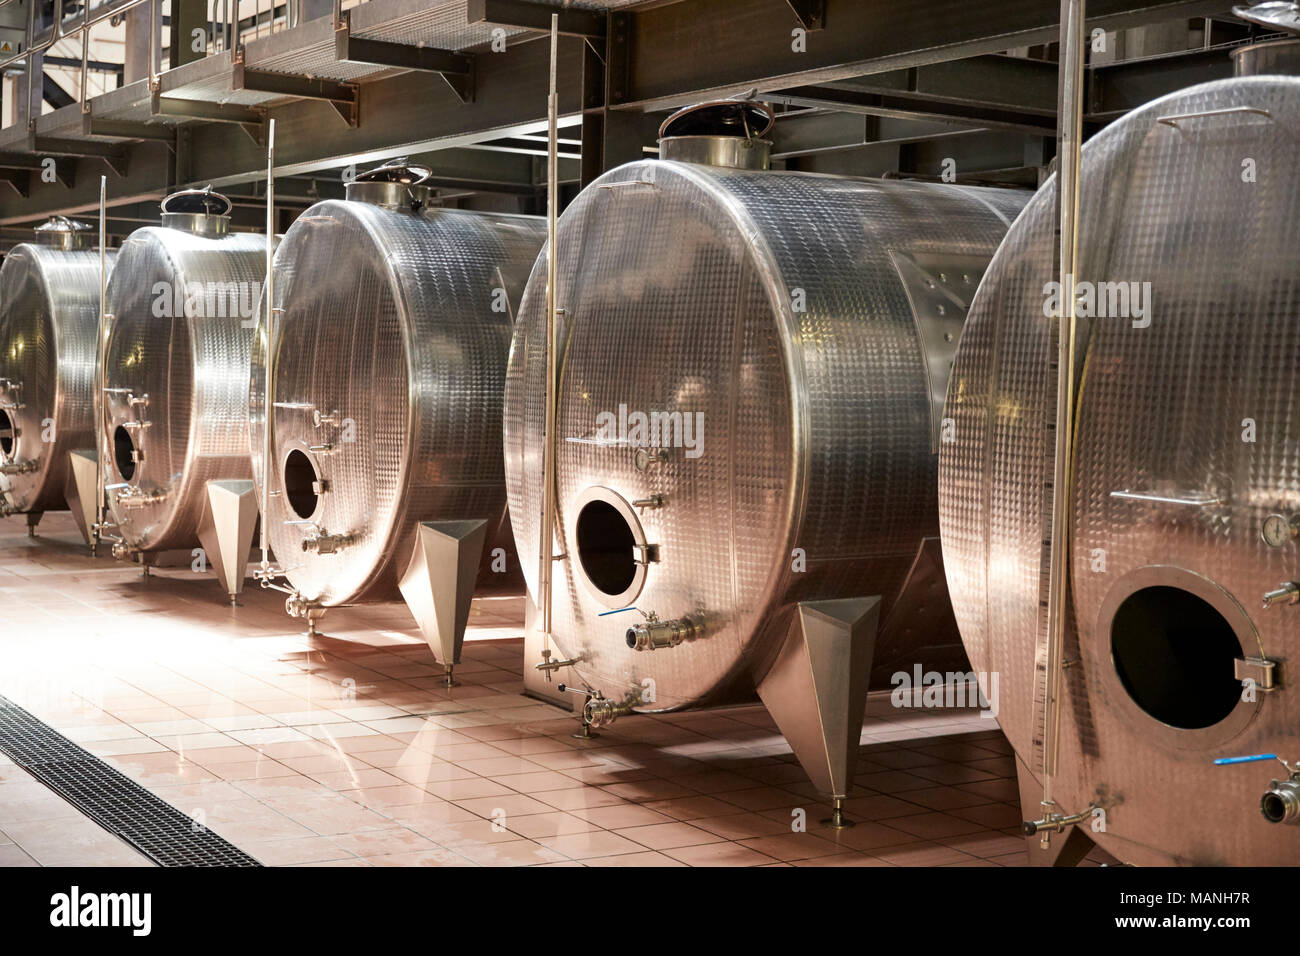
(345, 750)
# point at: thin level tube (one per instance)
(1069, 162)
(268, 403)
(546, 547)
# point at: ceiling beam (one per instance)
(1114, 89)
(902, 107)
(704, 49)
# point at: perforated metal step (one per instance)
(110, 798)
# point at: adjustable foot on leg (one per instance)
(837, 820)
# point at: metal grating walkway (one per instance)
(110, 798)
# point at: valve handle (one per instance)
(1253, 758)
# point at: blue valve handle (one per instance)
(1253, 758)
(618, 611)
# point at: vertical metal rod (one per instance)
(24, 115)
(547, 545)
(155, 44)
(85, 63)
(1070, 139)
(268, 403)
(99, 430)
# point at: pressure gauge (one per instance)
(1278, 530)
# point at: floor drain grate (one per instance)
(109, 797)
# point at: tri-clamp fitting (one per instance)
(24, 467)
(133, 496)
(654, 634)
(322, 542)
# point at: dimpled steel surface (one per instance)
(172, 336)
(1162, 412)
(400, 323)
(771, 304)
(49, 316)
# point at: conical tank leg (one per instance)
(79, 490)
(816, 691)
(438, 583)
(226, 530)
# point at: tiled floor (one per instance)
(345, 750)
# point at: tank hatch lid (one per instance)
(719, 133)
(200, 211)
(744, 118)
(1276, 14)
(397, 184)
(65, 233)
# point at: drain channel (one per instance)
(109, 797)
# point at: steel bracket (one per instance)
(22, 166)
(252, 121)
(123, 129)
(112, 154)
(20, 181)
(457, 69)
(811, 13)
(344, 97)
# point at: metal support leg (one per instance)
(226, 531)
(438, 584)
(817, 690)
(79, 490)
